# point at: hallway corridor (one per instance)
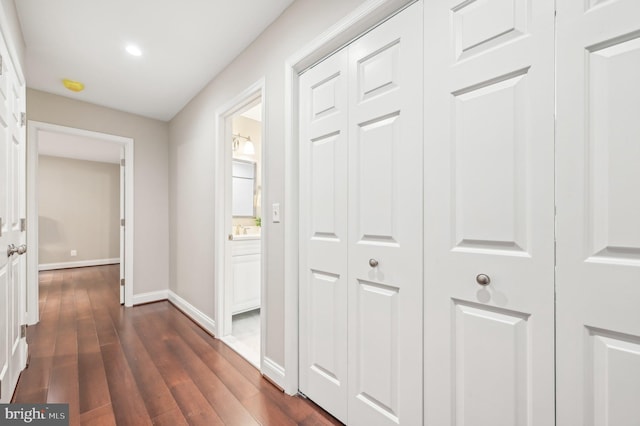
(141, 366)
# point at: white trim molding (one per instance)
(192, 312)
(152, 296)
(361, 20)
(274, 371)
(77, 264)
(222, 220)
(33, 130)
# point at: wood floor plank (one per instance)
(266, 412)
(194, 406)
(170, 418)
(34, 380)
(101, 416)
(141, 366)
(36, 396)
(228, 407)
(237, 383)
(63, 388)
(154, 391)
(94, 389)
(128, 405)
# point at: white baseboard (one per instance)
(274, 371)
(193, 312)
(152, 296)
(76, 264)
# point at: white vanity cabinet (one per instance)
(246, 275)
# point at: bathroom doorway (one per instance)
(240, 235)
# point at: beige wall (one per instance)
(79, 209)
(191, 153)
(151, 204)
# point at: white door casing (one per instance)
(123, 200)
(35, 129)
(361, 203)
(489, 209)
(13, 230)
(598, 213)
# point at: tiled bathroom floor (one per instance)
(245, 336)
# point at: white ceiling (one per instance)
(185, 44)
(254, 113)
(77, 147)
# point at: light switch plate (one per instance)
(275, 212)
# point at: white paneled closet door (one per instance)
(323, 234)
(489, 212)
(598, 205)
(12, 227)
(361, 150)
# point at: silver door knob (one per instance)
(22, 249)
(483, 279)
(373, 263)
(11, 250)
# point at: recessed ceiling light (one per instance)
(134, 50)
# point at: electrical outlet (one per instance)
(275, 212)
(74, 252)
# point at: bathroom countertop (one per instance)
(245, 237)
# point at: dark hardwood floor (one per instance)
(140, 366)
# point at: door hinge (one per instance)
(121, 222)
(1, 67)
(122, 282)
(23, 331)
(0, 227)
(23, 119)
(23, 225)
(122, 162)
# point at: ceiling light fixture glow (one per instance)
(134, 50)
(74, 86)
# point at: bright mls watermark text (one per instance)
(34, 414)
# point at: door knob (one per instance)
(373, 263)
(22, 249)
(11, 250)
(483, 279)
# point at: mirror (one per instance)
(243, 178)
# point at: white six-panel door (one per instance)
(361, 227)
(385, 223)
(12, 210)
(489, 201)
(323, 234)
(598, 208)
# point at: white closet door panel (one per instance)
(598, 213)
(489, 209)
(385, 223)
(323, 234)
(12, 210)
(5, 240)
(17, 283)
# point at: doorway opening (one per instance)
(80, 204)
(240, 241)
